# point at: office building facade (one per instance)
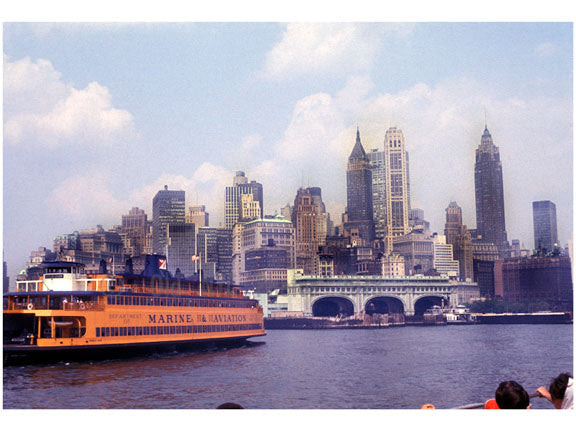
(168, 207)
(545, 227)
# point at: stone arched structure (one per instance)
(360, 291)
(424, 302)
(331, 306)
(383, 304)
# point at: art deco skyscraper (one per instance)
(168, 206)
(235, 209)
(490, 220)
(359, 193)
(545, 229)
(397, 186)
(309, 221)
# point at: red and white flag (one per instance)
(161, 263)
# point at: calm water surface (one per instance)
(400, 368)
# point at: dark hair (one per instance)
(229, 406)
(558, 386)
(511, 395)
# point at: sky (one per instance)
(97, 117)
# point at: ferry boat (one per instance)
(67, 312)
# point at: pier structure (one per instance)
(354, 295)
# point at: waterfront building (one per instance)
(534, 279)
(5, 278)
(148, 247)
(489, 189)
(214, 246)
(444, 262)
(460, 238)
(309, 222)
(417, 248)
(337, 256)
(266, 252)
(359, 194)
(133, 232)
(393, 265)
(397, 186)
(237, 255)
(66, 241)
(197, 214)
(235, 209)
(41, 255)
(484, 254)
(545, 228)
(168, 206)
(91, 246)
(416, 220)
(377, 162)
(180, 247)
(359, 295)
(518, 250)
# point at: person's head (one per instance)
(229, 406)
(558, 388)
(511, 395)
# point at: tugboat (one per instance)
(67, 313)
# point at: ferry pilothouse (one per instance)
(67, 312)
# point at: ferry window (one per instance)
(115, 332)
(97, 332)
(107, 332)
(153, 330)
(129, 331)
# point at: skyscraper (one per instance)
(545, 229)
(133, 232)
(490, 220)
(214, 245)
(459, 236)
(359, 193)
(376, 158)
(180, 246)
(397, 186)
(308, 214)
(168, 206)
(197, 214)
(235, 209)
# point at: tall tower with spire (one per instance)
(490, 219)
(359, 224)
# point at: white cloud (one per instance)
(86, 199)
(42, 110)
(546, 49)
(442, 125)
(251, 142)
(328, 48)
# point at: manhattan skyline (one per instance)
(99, 117)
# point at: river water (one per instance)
(392, 368)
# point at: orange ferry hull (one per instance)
(67, 313)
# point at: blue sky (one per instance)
(98, 117)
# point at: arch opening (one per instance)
(427, 302)
(332, 307)
(384, 305)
